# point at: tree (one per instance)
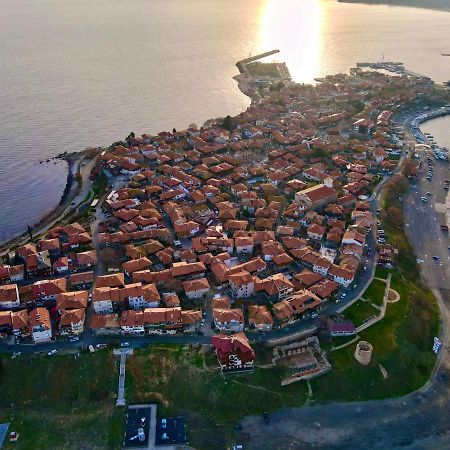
(227, 123)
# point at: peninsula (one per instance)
(443, 5)
(260, 260)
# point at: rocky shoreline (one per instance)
(73, 160)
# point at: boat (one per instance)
(447, 83)
(445, 54)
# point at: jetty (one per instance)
(243, 62)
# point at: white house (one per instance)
(242, 285)
(40, 325)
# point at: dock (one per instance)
(243, 62)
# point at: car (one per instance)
(429, 178)
(163, 423)
(424, 199)
(17, 353)
(446, 188)
(338, 300)
(429, 194)
(435, 257)
(52, 352)
(314, 315)
(74, 339)
(344, 295)
(124, 344)
(101, 345)
(381, 241)
(365, 268)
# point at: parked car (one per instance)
(74, 339)
(124, 344)
(52, 352)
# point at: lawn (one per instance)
(375, 292)
(360, 311)
(183, 380)
(61, 402)
(402, 344)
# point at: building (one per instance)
(9, 296)
(72, 321)
(40, 325)
(260, 317)
(316, 197)
(242, 285)
(227, 319)
(234, 352)
(198, 288)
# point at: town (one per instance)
(248, 229)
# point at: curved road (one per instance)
(417, 421)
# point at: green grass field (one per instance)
(375, 292)
(60, 402)
(360, 311)
(183, 380)
(402, 344)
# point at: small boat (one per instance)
(445, 54)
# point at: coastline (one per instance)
(437, 5)
(70, 190)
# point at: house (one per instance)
(114, 280)
(342, 276)
(46, 291)
(159, 320)
(275, 287)
(105, 324)
(72, 321)
(352, 236)
(71, 300)
(234, 352)
(135, 265)
(5, 323)
(81, 280)
(226, 319)
(191, 320)
(316, 197)
(132, 323)
(259, 317)
(316, 232)
(141, 296)
(185, 270)
(9, 296)
(296, 305)
(40, 325)
(342, 328)
(197, 288)
(244, 244)
(85, 260)
(242, 285)
(20, 323)
(103, 299)
(61, 265)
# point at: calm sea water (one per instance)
(75, 73)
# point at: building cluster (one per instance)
(263, 223)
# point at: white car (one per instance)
(125, 344)
(52, 352)
(424, 199)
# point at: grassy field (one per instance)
(60, 402)
(183, 380)
(402, 344)
(360, 311)
(375, 292)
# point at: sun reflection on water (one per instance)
(294, 27)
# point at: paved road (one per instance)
(416, 421)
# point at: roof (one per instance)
(40, 316)
(9, 293)
(72, 300)
(319, 192)
(225, 315)
(72, 316)
(241, 278)
(184, 268)
(114, 280)
(196, 285)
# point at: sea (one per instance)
(79, 73)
